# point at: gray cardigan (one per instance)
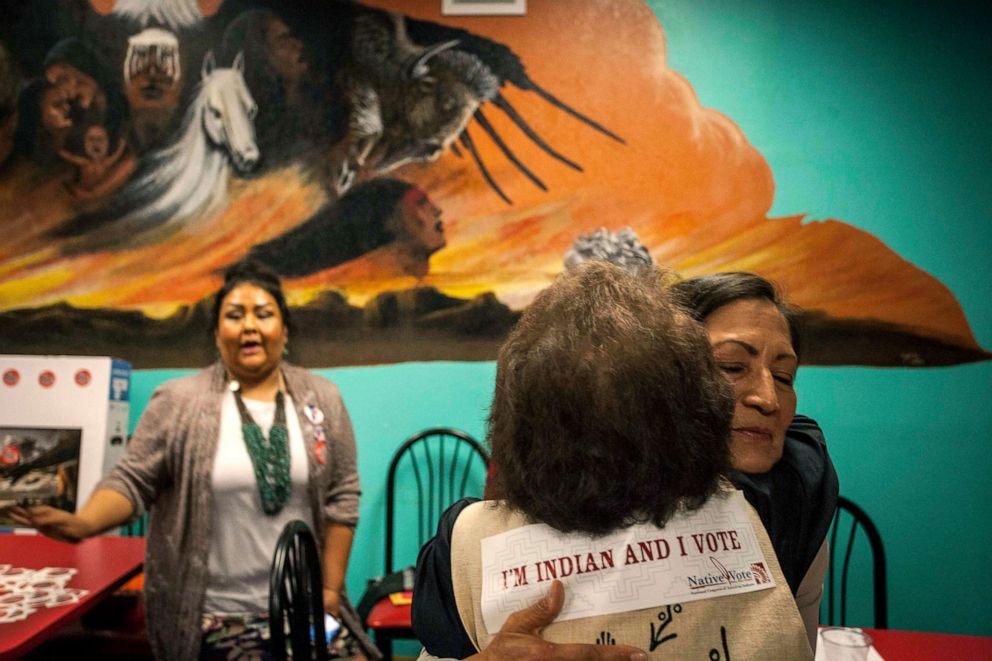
(167, 470)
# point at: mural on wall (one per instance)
(415, 179)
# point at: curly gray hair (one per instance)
(622, 248)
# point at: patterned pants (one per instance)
(246, 638)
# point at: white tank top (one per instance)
(243, 538)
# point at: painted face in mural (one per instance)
(152, 70)
(285, 51)
(422, 224)
(753, 348)
(250, 333)
(96, 143)
(76, 85)
(55, 110)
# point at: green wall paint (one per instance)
(876, 114)
(873, 113)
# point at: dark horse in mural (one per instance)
(397, 90)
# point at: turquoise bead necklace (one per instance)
(269, 456)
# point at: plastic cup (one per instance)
(843, 644)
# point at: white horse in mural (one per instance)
(187, 179)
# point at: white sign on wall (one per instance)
(63, 425)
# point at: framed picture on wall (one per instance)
(38, 466)
(483, 7)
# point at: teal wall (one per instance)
(877, 115)
(880, 114)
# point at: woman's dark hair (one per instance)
(28, 134)
(705, 294)
(79, 54)
(361, 221)
(9, 79)
(246, 34)
(251, 272)
(83, 56)
(280, 129)
(609, 409)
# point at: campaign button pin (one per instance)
(314, 414)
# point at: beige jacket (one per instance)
(763, 624)
(166, 470)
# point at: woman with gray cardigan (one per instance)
(222, 460)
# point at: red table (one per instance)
(920, 646)
(103, 564)
(896, 645)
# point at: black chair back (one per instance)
(441, 462)
(296, 596)
(847, 521)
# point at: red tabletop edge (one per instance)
(385, 615)
(103, 564)
(896, 645)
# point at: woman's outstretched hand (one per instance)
(52, 522)
(104, 510)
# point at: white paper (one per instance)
(708, 553)
(25, 591)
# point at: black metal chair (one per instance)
(441, 465)
(848, 511)
(296, 596)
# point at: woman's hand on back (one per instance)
(520, 638)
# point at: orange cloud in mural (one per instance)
(682, 176)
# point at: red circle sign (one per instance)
(47, 379)
(10, 455)
(83, 377)
(11, 377)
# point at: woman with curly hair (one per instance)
(610, 422)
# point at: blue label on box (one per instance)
(120, 380)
